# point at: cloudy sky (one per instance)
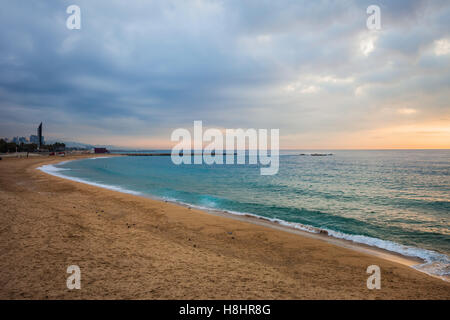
(137, 70)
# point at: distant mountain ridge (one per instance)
(70, 144)
(81, 145)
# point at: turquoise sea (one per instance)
(398, 200)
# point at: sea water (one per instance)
(397, 200)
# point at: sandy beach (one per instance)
(131, 247)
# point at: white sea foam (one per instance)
(56, 171)
(95, 158)
(435, 263)
(64, 162)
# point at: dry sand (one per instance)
(130, 247)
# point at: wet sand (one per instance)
(130, 247)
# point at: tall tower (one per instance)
(39, 133)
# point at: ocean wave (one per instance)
(435, 263)
(51, 169)
(95, 158)
(55, 171)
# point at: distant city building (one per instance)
(100, 150)
(23, 140)
(40, 138)
(19, 140)
(34, 139)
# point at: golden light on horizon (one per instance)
(434, 135)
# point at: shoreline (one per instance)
(282, 225)
(135, 247)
